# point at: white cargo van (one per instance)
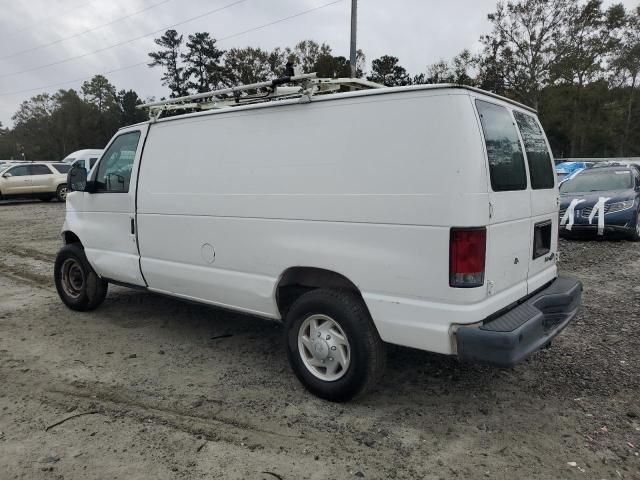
(84, 158)
(422, 216)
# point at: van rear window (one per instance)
(540, 169)
(506, 161)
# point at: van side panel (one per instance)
(228, 201)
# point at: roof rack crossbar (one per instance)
(305, 86)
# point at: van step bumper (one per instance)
(510, 338)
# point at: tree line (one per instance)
(49, 127)
(575, 61)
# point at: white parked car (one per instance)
(421, 216)
(84, 158)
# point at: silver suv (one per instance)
(41, 180)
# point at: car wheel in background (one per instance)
(333, 347)
(635, 236)
(61, 192)
(77, 283)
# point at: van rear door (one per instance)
(544, 201)
(509, 229)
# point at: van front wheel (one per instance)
(77, 283)
(333, 347)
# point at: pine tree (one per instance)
(169, 58)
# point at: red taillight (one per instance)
(467, 247)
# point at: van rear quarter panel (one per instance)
(373, 200)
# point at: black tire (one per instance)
(77, 283)
(367, 350)
(635, 235)
(61, 192)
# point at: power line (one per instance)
(280, 20)
(68, 59)
(76, 35)
(138, 64)
(51, 85)
(51, 17)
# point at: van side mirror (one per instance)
(77, 179)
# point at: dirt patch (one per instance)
(169, 389)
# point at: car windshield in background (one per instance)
(62, 167)
(596, 182)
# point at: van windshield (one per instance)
(597, 182)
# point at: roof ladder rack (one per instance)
(296, 86)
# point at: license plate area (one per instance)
(541, 238)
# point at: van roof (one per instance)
(345, 95)
(87, 151)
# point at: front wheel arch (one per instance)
(69, 237)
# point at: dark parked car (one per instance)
(619, 185)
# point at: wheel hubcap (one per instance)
(324, 347)
(63, 193)
(72, 277)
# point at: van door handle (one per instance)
(133, 227)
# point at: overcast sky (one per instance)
(419, 32)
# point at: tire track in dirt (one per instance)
(209, 425)
(30, 253)
(28, 278)
(28, 266)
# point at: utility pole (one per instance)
(354, 24)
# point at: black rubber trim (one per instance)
(580, 228)
(511, 337)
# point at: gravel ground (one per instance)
(152, 387)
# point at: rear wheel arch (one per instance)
(296, 281)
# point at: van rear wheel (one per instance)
(333, 347)
(78, 285)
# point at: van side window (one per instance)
(538, 157)
(506, 161)
(114, 170)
